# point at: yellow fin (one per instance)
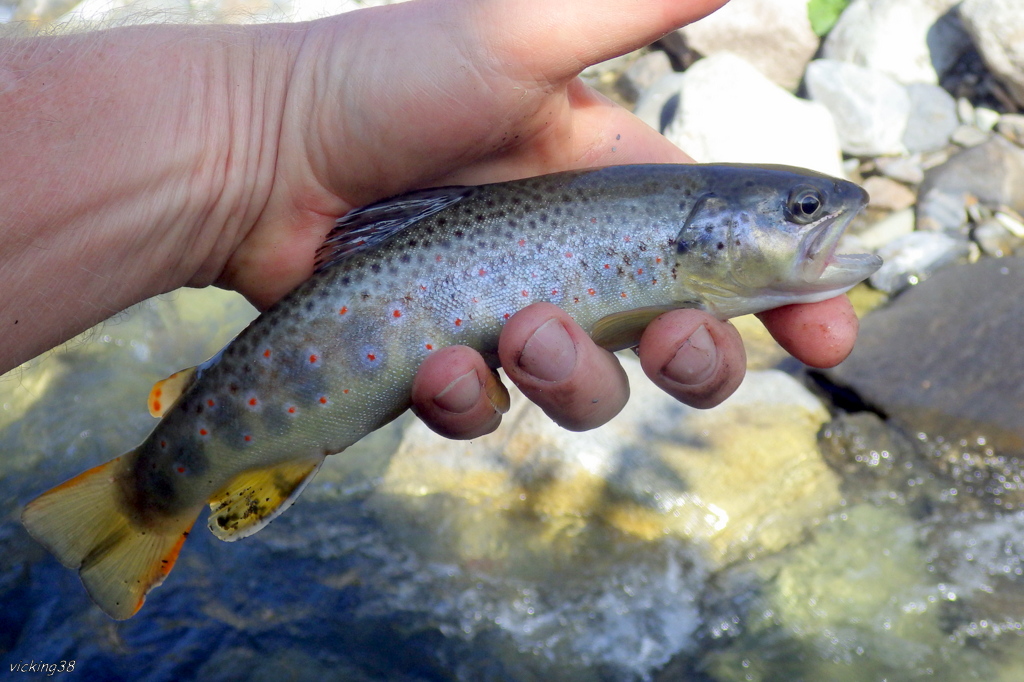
(167, 391)
(254, 498)
(623, 330)
(85, 525)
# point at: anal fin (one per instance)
(256, 497)
(167, 391)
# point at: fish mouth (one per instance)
(819, 264)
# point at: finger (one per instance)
(693, 357)
(457, 395)
(817, 334)
(553, 361)
(551, 42)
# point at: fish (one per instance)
(396, 280)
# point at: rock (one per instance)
(887, 194)
(659, 104)
(862, 445)
(991, 173)
(910, 40)
(911, 259)
(743, 477)
(647, 70)
(968, 136)
(985, 119)
(997, 29)
(774, 36)
(890, 228)
(728, 111)
(907, 169)
(932, 119)
(940, 360)
(965, 111)
(994, 239)
(870, 109)
(1011, 126)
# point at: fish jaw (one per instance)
(818, 266)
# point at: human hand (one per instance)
(487, 92)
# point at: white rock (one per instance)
(910, 40)
(986, 119)
(997, 29)
(933, 118)
(773, 35)
(912, 258)
(642, 74)
(729, 111)
(888, 229)
(870, 108)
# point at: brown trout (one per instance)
(334, 360)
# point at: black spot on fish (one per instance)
(683, 247)
(309, 306)
(345, 281)
(458, 234)
(720, 246)
(405, 258)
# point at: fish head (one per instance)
(767, 237)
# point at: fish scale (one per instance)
(400, 279)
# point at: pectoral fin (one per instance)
(167, 391)
(623, 330)
(256, 497)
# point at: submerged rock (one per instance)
(912, 258)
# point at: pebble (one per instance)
(887, 194)
(997, 30)
(870, 109)
(994, 239)
(1011, 126)
(890, 228)
(774, 36)
(913, 41)
(912, 258)
(932, 119)
(968, 136)
(907, 169)
(986, 119)
(728, 111)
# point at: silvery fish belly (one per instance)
(399, 279)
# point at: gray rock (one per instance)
(986, 119)
(968, 136)
(912, 258)
(942, 360)
(870, 109)
(910, 40)
(908, 169)
(997, 29)
(729, 111)
(890, 228)
(994, 239)
(647, 70)
(965, 111)
(991, 173)
(775, 36)
(1011, 126)
(659, 104)
(933, 118)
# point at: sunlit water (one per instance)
(352, 584)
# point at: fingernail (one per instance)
(694, 362)
(550, 354)
(461, 395)
(497, 394)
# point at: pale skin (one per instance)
(140, 160)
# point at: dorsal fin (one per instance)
(370, 225)
(166, 392)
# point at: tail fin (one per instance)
(83, 523)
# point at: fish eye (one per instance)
(805, 205)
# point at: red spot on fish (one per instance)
(525, 293)
(575, 299)
(458, 321)
(181, 470)
(247, 438)
(266, 353)
(640, 271)
(291, 409)
(554, 292)
(522, 242)
(210, 402)
(157, 392)
(591, 292)
(345, 391)
(344, 309)
(253, 402)
(607, 267)
(423, 287)
(658, 259)
(437, 258)
(430, 346)
(593, 220)
(312, 359)
(625, 239)
(506, 316)
(156, 405)
(623, 294)
(397, 313)
(568, 254)
(371, 357)
(204, 432)
(323, 400)
(163, 444)
(482, 272)
(654, 281)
